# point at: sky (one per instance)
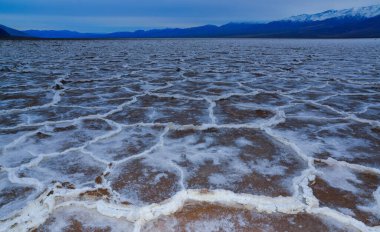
(129, 15)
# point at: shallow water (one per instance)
(190, 135)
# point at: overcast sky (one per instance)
(122, 15)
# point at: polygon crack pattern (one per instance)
(199, 135)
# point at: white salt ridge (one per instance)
(37, 211)
(55, 100)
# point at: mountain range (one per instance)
(363, 22)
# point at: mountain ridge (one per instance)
(363, 12)
(4, 34)
(363, 22)
(13, 32)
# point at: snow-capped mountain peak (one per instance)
(364, 12)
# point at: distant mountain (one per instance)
(193, 32)
(64, 34)
(361, 22)
(4, 34)
(161, 33)
(361, 12)
(13, 32)
(346, 27)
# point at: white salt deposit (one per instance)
(121, 135)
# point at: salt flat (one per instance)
(190, 135)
